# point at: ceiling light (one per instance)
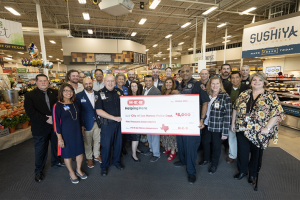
(168, 48)
(181, 43)
(147, 50)
(143, 20)
(61, 49)
(82, 1)
(50, 56)
(164, 58)
(209, 10)
(175, 58)
(168, 36)
(190, 49)
(133, 33)
(20, 53)
(148, 58)
(8, 55)
(159, 52)
(150, 62)
(158, 60)
(52, 41)
(155, 45)
(7, 58)
(86, 16)
(90, 31)
(228, 36)
(206, 43)
(249, 10)
(226, 41)
(57, 58)
(185, 25)
(13, 11)
(221, 25)
(154, 4)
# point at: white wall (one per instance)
(92, 45)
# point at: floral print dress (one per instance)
(266, 107)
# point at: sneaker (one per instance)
(154, 159)
(99, 159)
(212, 170)
(90, 163)
(191, 179)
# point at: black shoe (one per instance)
(103, 172)
(60, 164)
(138, 160)
(140, 152)
(239, 176)
(148, 153)
(203, 163)
(39, 177)
(212, 170)
(191, 179)
(251, 180)
(178, 164)
(124, 151)
(120, 167)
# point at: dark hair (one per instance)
(169, 68)
(61, 91)
(99, 70)
(130, 91)
(155, 68)
(235, 72)
(164, 89)
(40, 75)
(225, 65)
(179, 71)
(149, 76)
(71, 71)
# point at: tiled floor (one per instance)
(289, 141)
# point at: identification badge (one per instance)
(83, 100)
(160, 84)
(217, 105)
(103, 97)
(247, 83)
(247, 118)
(66, 108)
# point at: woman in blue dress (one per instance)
(66, 122)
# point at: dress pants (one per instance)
(154, 144)
(244, 148)
(111, 136)
(212, 141)
(232, 145)
(187, 151)
(92, 142)
(41, 150)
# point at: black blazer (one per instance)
(140, 87)
(242, 89)
(36, 108)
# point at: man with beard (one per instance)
(245, 72)
(157, 82)
(131, 77)
(90, 130)
(99, 83)
(225, 75)
(73, 77)
(212, 72)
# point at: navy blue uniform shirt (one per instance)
(199, 88)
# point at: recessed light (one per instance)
(185, 25)
(86, 16)
(209, 10)
(168, 36)
(52, 41)
(90, 31)
(154, 4)
(133, 34)
(143, 20)
(181, 43)
(50, 56)
(155, 45)
(13, 11)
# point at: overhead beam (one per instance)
(204, 3)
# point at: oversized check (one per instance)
(160, 114)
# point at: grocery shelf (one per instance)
(291, 95)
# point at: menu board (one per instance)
(273, 70)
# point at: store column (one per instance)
(225, 44)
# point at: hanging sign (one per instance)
(273, 37)
(11, 36)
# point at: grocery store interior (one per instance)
(52, 37)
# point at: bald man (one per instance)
(108, 108)
(204, 74)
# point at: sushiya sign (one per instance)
(272, 38)
(11, 35)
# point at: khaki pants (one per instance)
(89, 137)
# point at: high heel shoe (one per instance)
(172, 156)
(138, 160)
(166, 151)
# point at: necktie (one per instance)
(47, 100)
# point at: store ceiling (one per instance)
(167, 18)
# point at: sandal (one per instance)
(171, 157)
(166, 151)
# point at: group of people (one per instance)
(236, 110)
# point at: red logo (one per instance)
(136, 102)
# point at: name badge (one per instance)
(247, 118)
(83, 100)
(66, 108)
(103, 97)
(160, 84)
(217, 105)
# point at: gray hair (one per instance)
(204, 69)
(245, 66)
(121, 74)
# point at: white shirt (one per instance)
(156, 83)
(80, 88)
(147, 91)
(91, 97)
(208, 109)
(98, 86)
(235, 88)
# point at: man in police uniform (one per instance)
(245, 72)
(108, 107)
(204, 74)
(188, 145)
(225, 75)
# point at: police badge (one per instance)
(203, 87)
(190, 85)
(119, 93)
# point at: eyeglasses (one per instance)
(68, 91)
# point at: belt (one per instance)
(109, 120)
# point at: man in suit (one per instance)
(234, 90)
(86, 99)
(131, 77)
(154, 140)
(157, 82)
(38, 105)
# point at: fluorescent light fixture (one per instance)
(190, 49)
(155, 45)
(227, 36)
(226, 41)
(61, 49)
(7, 58)
(13, 11)
(143, 20)
(164, 58)
(147, 50)
(86, 16)
(150, 62)
(181, 43)
(209, 10)
(90, 31)
(159, 52)
(20, 53)
(221, 25)
(57, 58)
(8, 55)
(82, 1)
(175, 58)
(207, 43)
(158, 60)
(185, 25)
(168, 48)
(168, 36)
(154, 4)
(50, 56)
(133, 33)
(52, 41)
(249, 10)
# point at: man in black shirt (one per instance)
(245, 72)
(225, 75)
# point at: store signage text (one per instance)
(273, 34)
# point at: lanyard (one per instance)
(252, 103)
